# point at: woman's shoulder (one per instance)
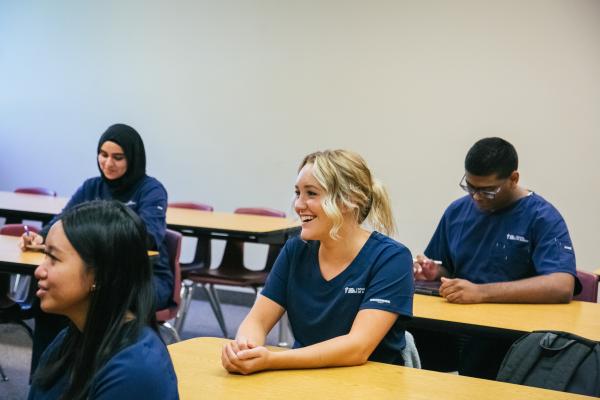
(147, 349)
(143, 368)
(380, 241)
(384, 253)
(149, 183)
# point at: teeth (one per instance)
(306, 218)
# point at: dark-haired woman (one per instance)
(97, 274)
(122, 163)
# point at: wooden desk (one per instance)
(198, 367)
(18, 206)
(578, 317)
(15, 261)
(221, 224)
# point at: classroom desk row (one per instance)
(197, 364)
(18, 206)
(578, 317)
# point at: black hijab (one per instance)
(133, 147)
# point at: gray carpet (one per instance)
(15, 345)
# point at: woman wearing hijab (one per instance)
(122, 163)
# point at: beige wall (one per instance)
(229, 95)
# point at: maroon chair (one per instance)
(174, 249)
(192, 206)
(589, 287)
(36, 190)
(17, 229)
(231, 271)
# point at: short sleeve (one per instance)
(552, 248)
(277, 281)
(152, 209)
(391, 285)
(438, 247)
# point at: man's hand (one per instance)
(461, 291)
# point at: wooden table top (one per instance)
(578, 317)
(198, 367)
(224, 221)
(14, 260)
(10, 253)
(176, 217)
(32, 203)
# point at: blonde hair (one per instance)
(348, 182)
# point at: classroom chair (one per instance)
(410, 354)
(174, 240)
(231, 271)
(589, 287)
(36, 190)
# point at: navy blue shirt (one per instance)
(149, 201)
(142, 370)
(526, 239)
(380, 277)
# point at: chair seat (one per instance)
(239, 278)
(167, 313)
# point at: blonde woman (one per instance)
(345, 288)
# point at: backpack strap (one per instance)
(564, 369)
(521, 358)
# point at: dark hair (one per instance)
(492, 155)
(111, 241)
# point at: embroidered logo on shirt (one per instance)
(130, 203)
(351, 290)
(518, 238)
(380, 301)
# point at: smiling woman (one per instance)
(97, 274)
(345, 288)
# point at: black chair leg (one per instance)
(2, 374)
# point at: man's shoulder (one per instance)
(539, 207)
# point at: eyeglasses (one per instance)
(488, 194)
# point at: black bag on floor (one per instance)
(554, 360)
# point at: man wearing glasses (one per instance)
(500, 243)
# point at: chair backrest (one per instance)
(267, 212)
(36, 190)
(233, 255)
(192, 206)
(17, 229)
(589, 287)
(174, 249)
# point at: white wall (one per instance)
(229, 95)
